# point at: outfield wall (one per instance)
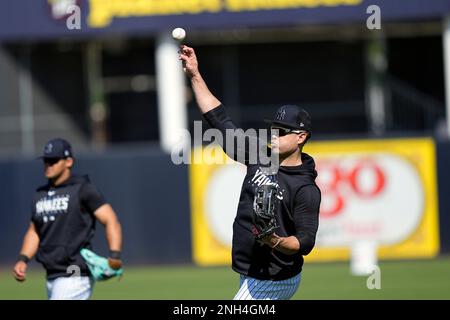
(148, 192)
(151, 196)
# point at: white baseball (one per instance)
(178, 33)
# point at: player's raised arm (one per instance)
(29, 248)
(206, 101)
(214, 112)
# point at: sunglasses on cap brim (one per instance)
(51, 161)
(285, 131)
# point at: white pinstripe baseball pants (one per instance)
(254, 289)
(70, 288)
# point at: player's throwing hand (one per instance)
(190, 64)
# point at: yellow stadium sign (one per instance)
(102, 12)
(378, 190)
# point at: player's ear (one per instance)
(301, 138)
(69, 163)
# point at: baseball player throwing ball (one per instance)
(277, 216)
(63, 218)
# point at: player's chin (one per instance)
(49, 174)
(285, 151)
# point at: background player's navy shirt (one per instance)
(64, 220)
(297, 213)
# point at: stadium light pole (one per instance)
(376, 64)
(446, 53)
(98, 111)
(171, 93)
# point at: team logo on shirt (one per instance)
(260, 179)
(50, 206)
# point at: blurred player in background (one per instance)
(63, 219)
(269, 268)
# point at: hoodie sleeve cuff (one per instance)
(306, 245)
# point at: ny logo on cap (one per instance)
(48, 148)
(281, 114)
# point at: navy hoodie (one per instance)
(297, 213)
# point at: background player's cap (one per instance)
(57, 148)
(293, 117)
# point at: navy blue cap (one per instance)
(57, 148)
(292, 117)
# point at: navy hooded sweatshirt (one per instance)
(297, 212)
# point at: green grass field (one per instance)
(428, 279)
